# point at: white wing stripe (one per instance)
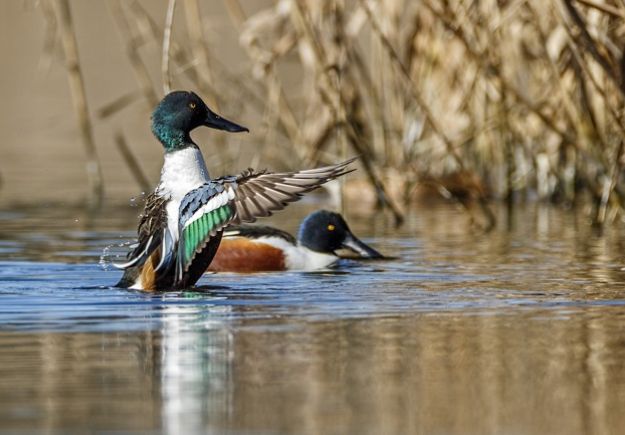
(231, 193)
(214, 203)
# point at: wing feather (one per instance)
(258, 194)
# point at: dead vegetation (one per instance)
(510, 99)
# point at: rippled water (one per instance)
(521, 330)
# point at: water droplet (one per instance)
(113, 254)
(104, 262)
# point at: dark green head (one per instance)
(179, 113)
(325, 231)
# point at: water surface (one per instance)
(521, 330)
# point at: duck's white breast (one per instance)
(183, 171)
(298, 257)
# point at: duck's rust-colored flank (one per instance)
(243, 255)
(148, 275)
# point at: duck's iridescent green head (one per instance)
(179, 113)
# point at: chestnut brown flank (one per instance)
(148, 276)
(243, 255)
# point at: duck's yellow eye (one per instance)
(192, 105)
(330, 227)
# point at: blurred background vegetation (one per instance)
(507, 100)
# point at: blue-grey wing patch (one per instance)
(203, 213)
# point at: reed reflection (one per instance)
(552, 372)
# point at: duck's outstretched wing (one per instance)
(207, 210)
(258, 194)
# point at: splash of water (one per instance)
(115, 253)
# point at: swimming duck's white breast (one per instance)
(298, 257)
(315, 260)
(183, 171)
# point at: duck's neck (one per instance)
(171, 138)
(183, 170)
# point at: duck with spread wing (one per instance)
(184, 218)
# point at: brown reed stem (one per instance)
(132, 163)
(607, 193)
(326, 90)
(486, 65)
(200, 52)
(605, 8)
(236, 12)
(118, 104)
(79, 100)
(588, 43)
(339, 40)
(169, 22)
(50, 35)
(132, 44)
(429, 116)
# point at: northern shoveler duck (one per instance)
(252, 248)
(184, 217)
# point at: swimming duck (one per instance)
(252, 248)
(184, 218)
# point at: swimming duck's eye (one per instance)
(331, 227)
(192, 105)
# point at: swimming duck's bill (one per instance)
(356, 245)
(217, 122)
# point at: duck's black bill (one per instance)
(215, 121)
(352, 243)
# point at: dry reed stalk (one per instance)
(610, 185)
(180, 57)
(202, 62)
(187, 63)
(288, 124)
(118, 104)
(132, 163)
(608, 9)
(200, 52)
(287, 119)
(237, 15)
(430, 118)
(339, 45)
(169, 22)
(150, 30)
(525, 95)
(330, 95)
(79, 100)
(50, 35)
(589, 44)
(604, 193)
(132, 42)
